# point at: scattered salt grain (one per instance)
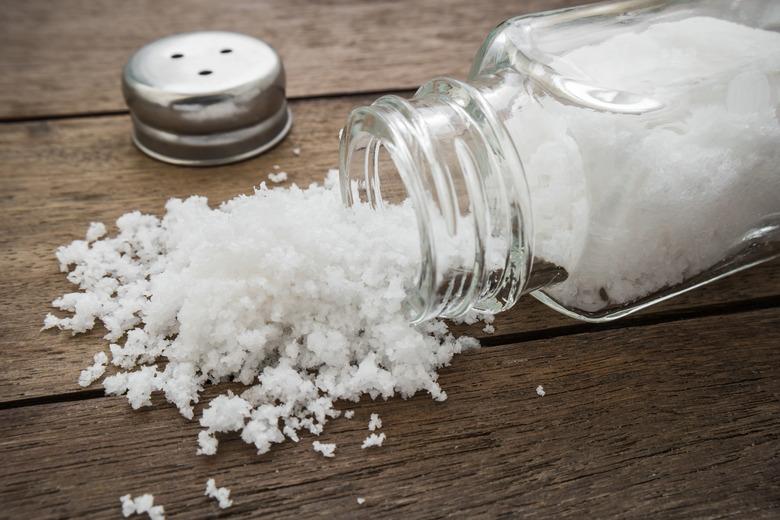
(349, 414)
(221, 494)
(207, 443)
(489, 329)
(297, 151)
(277, 177)
(375, 422)
(361, 501)
(284, 291)
(141, 505)
(326, 449)
(540, 391)
(276, 166)
(373, 440)
(95, 231)
(91, 373)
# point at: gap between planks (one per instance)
(637, 320)
(39, 118)
(645, 320)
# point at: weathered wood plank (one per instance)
(66, 57)
(675, 417)
(57, 176)
(656, 421)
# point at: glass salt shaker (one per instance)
(601, 158)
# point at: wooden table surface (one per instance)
(670, 413)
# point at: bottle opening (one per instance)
(377, 168)
(437, 162)
(380, 184)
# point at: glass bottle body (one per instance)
(601, 158)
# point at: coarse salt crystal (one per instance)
(221, 494)
(91, 373)
(349, 414)
(277, 177)
(326, 449)
(375, 422)
(540, 391)
(361, 501)
(373, 440)
(96, 230)
(142, 504)
(207, 443)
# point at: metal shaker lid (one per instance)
(206, 98)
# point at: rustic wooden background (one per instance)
(671, 413)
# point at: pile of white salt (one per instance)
(285, 291)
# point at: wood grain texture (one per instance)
(671, 413)
(67, 56)
(58, 176)
(662, 421)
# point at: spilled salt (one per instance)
(222, 495)
(373, 440)
(95, 231)
(91, 373)
(540, 391)
(141, 505)
(374, 422)
(277, 177)
(284, 291)
(326, 449)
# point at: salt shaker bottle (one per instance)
(600, 158)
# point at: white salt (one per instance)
(373, 440)
(540, 390)
(326, 449)
(91, 373)
(141, 505)
(207, 443)
(361, 501)
(374, 422)
(277, 177)
(632, 203)
(349, 414)
(284, 291)
(297, 151)
(96, 230)
(221, 494)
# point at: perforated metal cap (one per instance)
(206, 98)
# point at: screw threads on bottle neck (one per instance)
(446, 151)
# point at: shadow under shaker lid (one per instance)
(206, 98)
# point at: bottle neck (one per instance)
(446, 151)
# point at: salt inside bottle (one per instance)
(600, 158)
